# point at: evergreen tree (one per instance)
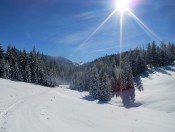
(137, 60)
(94, 83)
(28, 73)
(140, 65)
(8, 53)
(9, 65)
(171, 48)
(7, 69)
(126, 82)
(115, 83)
(104, 89)
(1, 61)
(1, 52)
(23, 64)
(18, 76)
(154, 55)
(40, 72)
(50, 79)
(166, 56)
(125, 76)
(33, 66)
(149, 55)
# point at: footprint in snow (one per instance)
(3, 128)
(4, 122)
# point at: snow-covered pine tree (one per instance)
(94, 83)
(2, 68)
(9, 61)
(50, 78)
(33, 65)
(125, 76)
(105, 92)
(126, 82)
(28, 73)
(40, 70)
(166, 57)
(154, 54)
(1, 61)
(1, 52)
(140, 64)
(149, 56)
(115, 83)
(171, 48)
(18, 75)
(23, 64)
(6, 73)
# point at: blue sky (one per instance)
(59, 27)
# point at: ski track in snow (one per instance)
(32, 108)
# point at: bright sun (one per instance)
(122, 5)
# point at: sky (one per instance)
(65, 27)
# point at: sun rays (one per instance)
(122, 7)
(145, 28)
(121, 34)
(96, 30)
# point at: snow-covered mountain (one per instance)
(27, 107)
(61, 60)
(79, 63)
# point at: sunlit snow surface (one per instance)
(31, 108)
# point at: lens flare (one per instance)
(122, 5)
(145, 28)
(95, 31)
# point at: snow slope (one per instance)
(31, 108)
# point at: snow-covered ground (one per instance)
(31, 108)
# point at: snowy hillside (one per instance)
(31, 108)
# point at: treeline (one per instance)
(104, 77)
(109, 76)
(32, 67)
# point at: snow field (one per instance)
(31, 108)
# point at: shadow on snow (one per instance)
(128, 98)
(149, 73)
